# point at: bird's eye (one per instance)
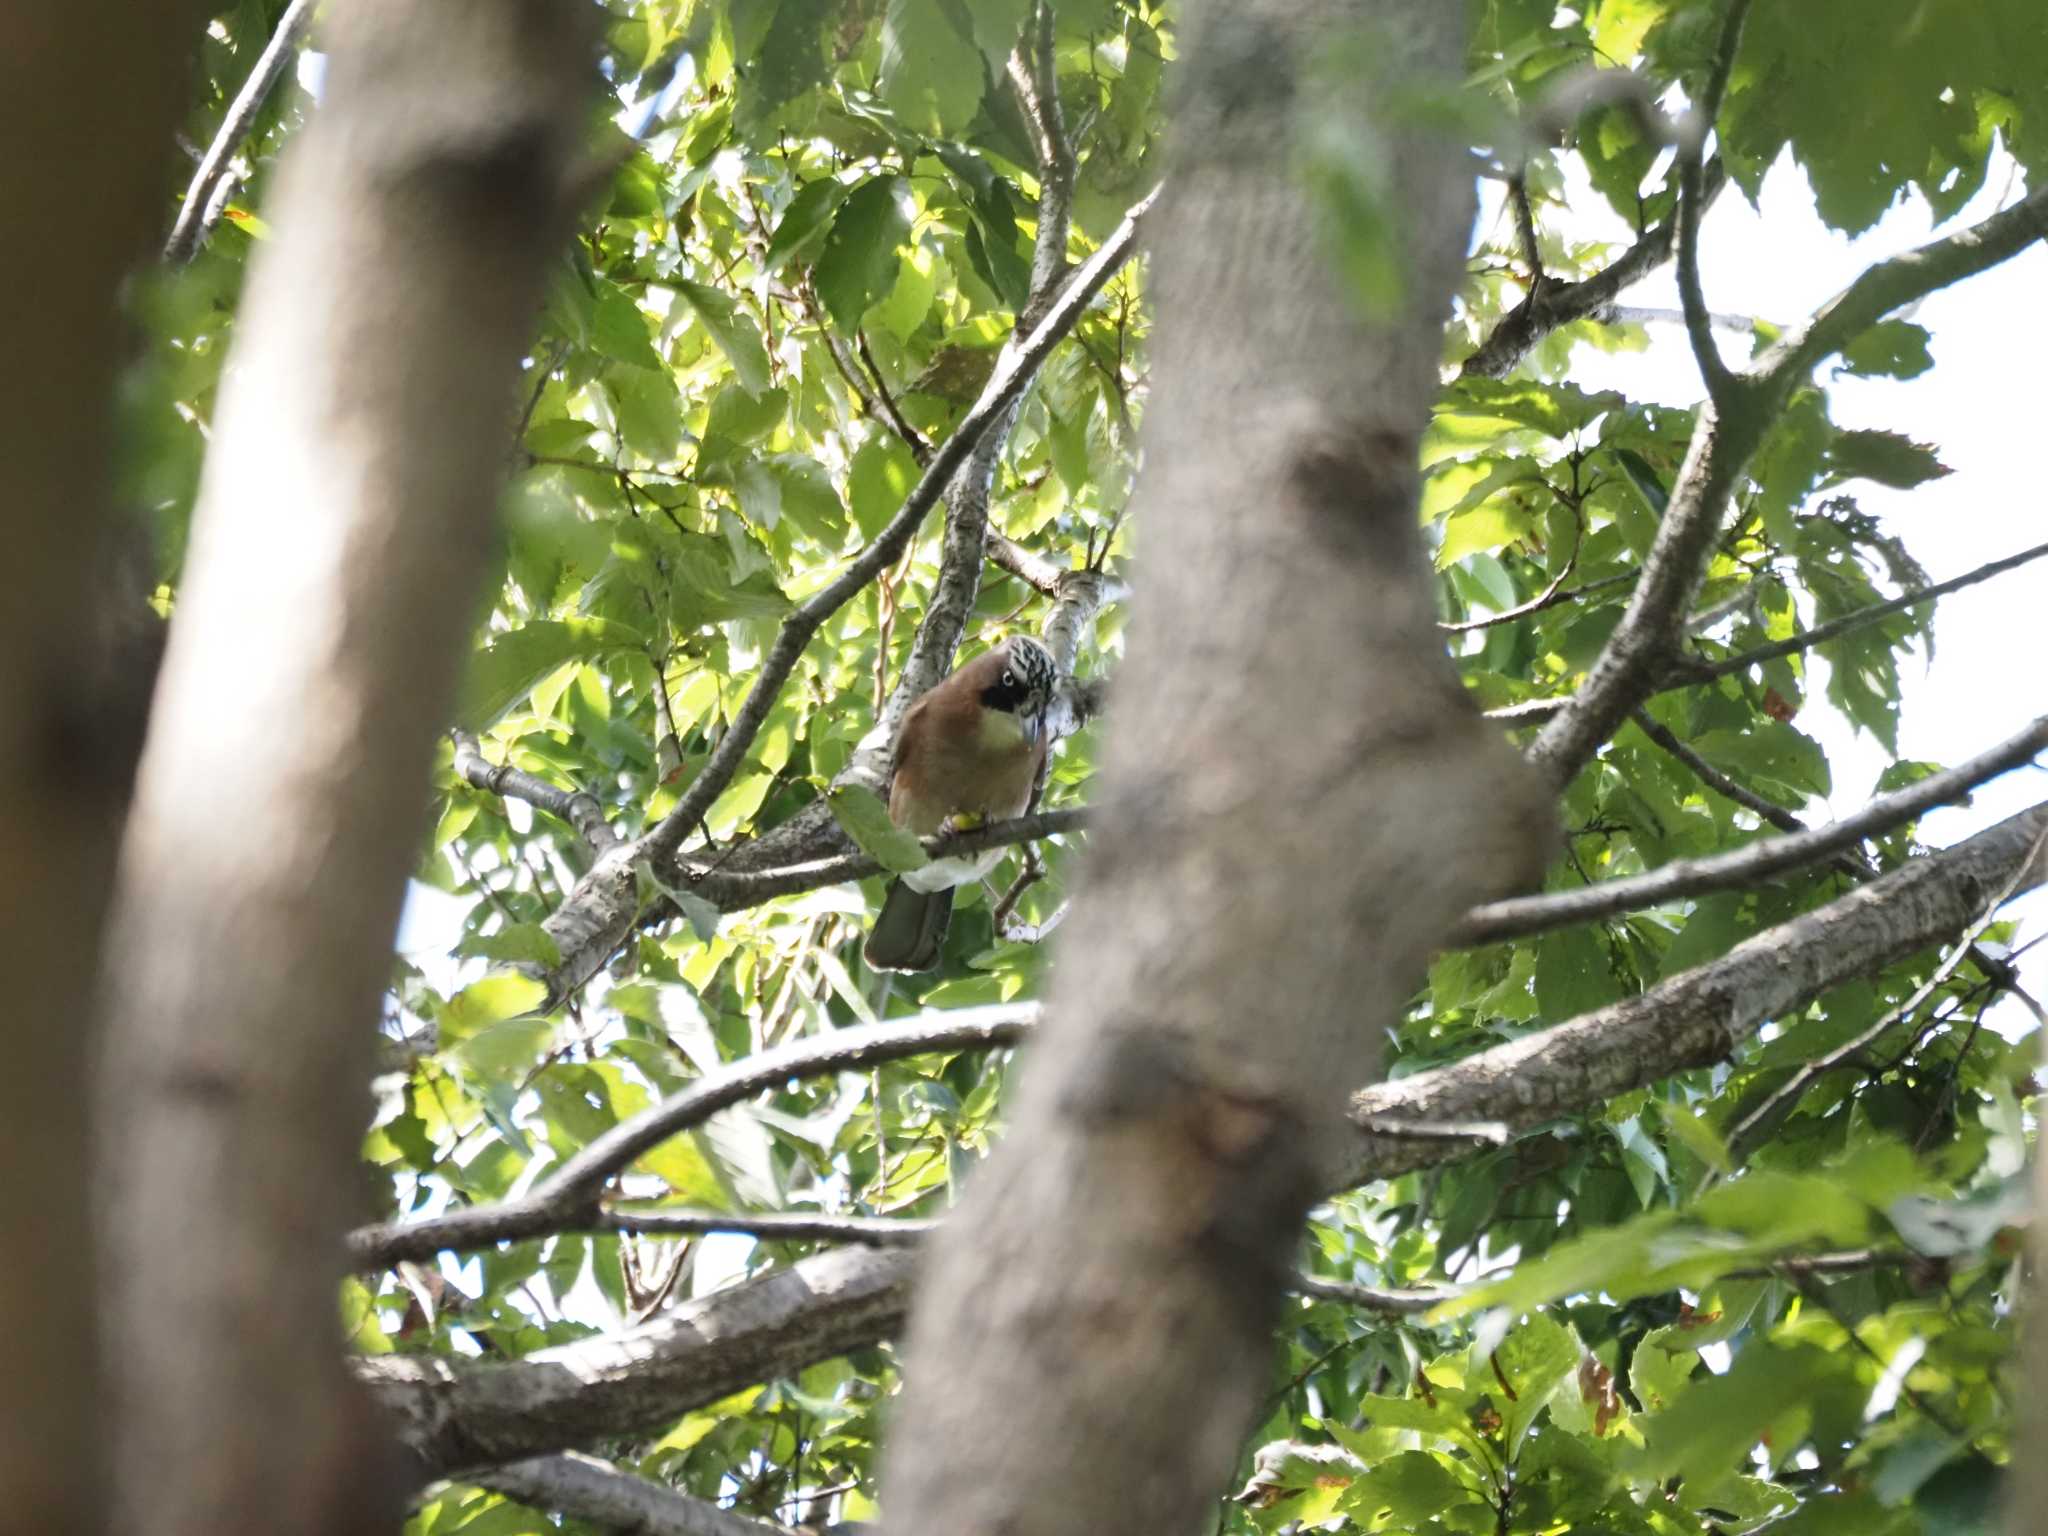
(1009, 678)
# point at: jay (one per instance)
(973, 747)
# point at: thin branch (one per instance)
(1746, 866)
(202, 209)
(1834, 629)
(964, 545)
(1012, 374)
(912, 439)
(1690, 672)
(1892, 284)
(1745, 1131)
(1699, 326)
(777, 1226)
(732, 892)
(1714, 778)
(579, 808)
(1372, 1298)
(1028, 566)
(1644, 645)
(1561, 303)
(1525, 231)
(569, 1197)
(607, 1495)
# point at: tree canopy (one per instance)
(1737, 1247)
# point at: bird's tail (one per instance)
(909, 929)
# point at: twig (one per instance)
(912, 439)
(1691, 672)
(1821, 634)
(1561, 303)
(1549, 596)
(1524, 915)
(777, 1226)
(201, 209)
(1691, 194)
(579, 808)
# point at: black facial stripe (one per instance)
(1027, 681)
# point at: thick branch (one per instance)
(202, 209)
(597, 1491)
(265, 858)
(457, 1415)
(1697, 1018)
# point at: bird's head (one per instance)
(1024, 686)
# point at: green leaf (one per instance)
(508, 669)
(804, 225)
(735, 333)
(881, 480)
(494, 998)
(620, 331)
(865, 819)
(1891, 349)
(1885, 457)
(930, 74)
(859, 263)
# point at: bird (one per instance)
(973, 747)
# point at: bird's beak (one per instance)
(1034, 726)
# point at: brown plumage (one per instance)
(974, 747)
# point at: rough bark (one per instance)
(1698, 1017)
(1279, 857)
(65, 747)
(344, 521)
(463, 1414)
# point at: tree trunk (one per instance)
(1299, 801)
(87, 111)
(344, 522)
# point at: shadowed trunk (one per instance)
(344, 523)
(87, 111)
